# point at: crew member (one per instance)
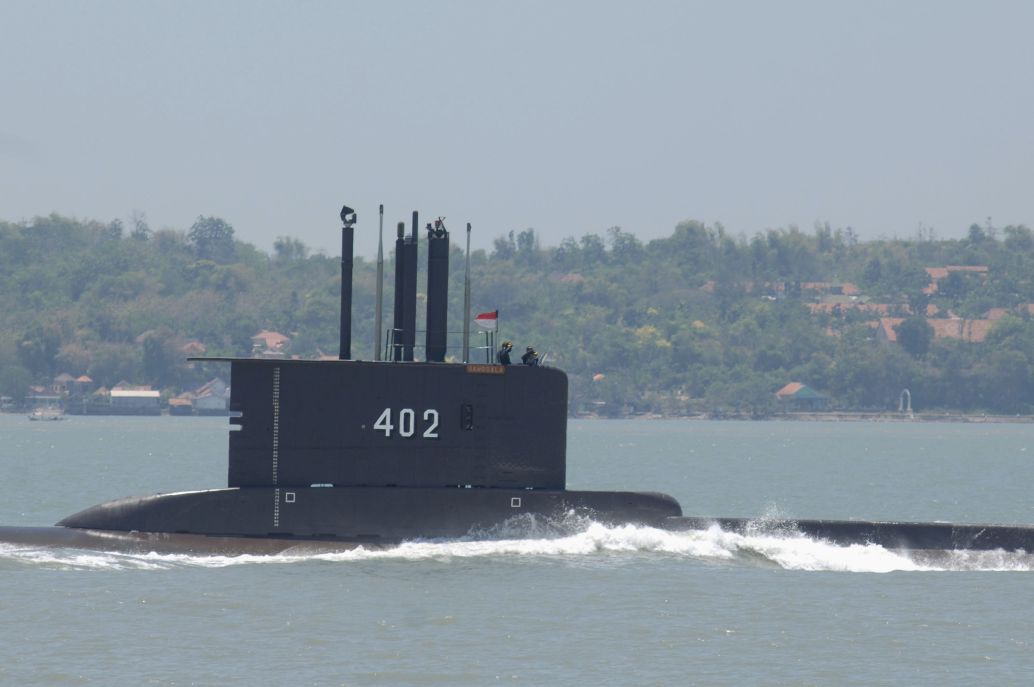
(503, 356)
(530, 357)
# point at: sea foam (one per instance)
(587, 541)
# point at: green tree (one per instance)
(38, 347)
(212, 239)
(914, 335)
(160, 358)
(141, 231)
(286, 249)
(527, 247)
(956, 286)
(504, 247)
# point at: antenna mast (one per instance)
(378, 326)
(466, 303)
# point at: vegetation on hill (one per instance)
(700, 321)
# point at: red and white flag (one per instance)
(487, 320)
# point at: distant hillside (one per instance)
(697, 322)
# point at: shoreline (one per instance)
(834, 416)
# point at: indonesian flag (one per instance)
(487, 320)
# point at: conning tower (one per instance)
(401, 423)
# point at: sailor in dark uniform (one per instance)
(530, 357)
(503, 356)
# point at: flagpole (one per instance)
(490, 353)
(466, 303)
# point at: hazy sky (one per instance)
(568, 117)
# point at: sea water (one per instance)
(579, 604)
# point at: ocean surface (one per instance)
(602, 606)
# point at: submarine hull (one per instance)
(913, 536)
(239, 519)
(162, 542)
(363, 514)
(891, 535)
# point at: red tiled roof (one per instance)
(972, 331)
(193, 347)
(271, 340)
(798, 391)
(850, 289)
(789, 390)
(938, 273)
(887, 325)
(996, 314)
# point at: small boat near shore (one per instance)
(47, 414)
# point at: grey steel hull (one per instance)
(238, 521)
(161, 542)
(914, 536)
(364, 514)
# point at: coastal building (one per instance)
(939, 273)
(1023, 310)
(62, 383)
(67, 385)
(970, 331)
(193, 347)
(135, 402)
(269, 344)
(182, 404)
(798, 397)
(213, 398)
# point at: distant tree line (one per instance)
(698, 322)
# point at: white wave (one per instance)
(790, 551)
(76, 559)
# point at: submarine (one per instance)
(341, 453)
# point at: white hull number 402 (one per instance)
(406, 426)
